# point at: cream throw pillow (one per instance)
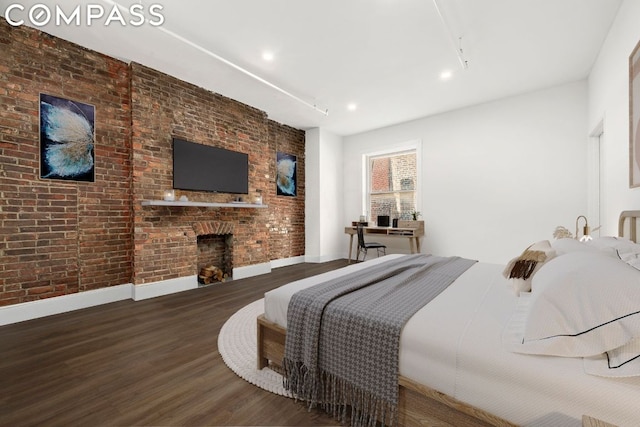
(520, 270)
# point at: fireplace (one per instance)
(215, 251)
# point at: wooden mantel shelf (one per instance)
(202, 204)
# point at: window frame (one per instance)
(414, 146)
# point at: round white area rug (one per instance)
(237, 344)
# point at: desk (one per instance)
(411, 230)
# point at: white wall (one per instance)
(609, 102)
(496, 177)
(312, 195)
(324, 224)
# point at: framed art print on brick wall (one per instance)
(286, 176)
(66, 139)
(634, 117)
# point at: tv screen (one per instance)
(201, 167)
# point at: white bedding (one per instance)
(454, 345)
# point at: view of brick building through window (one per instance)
(393, 185)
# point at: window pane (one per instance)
(396, 205)
(393, 173)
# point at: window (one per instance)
(392, 181)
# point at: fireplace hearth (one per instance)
(215, 252)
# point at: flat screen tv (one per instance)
(201, 167)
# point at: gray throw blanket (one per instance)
(343, 336)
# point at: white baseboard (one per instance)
(164, 287)
(63, 304)
(251, 270)
(284, 262)
(323, 258)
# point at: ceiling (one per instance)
(385, 56)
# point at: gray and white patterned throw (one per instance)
(343, 336)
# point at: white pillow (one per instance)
(620, 362)
(631, 257)
(611, 242)
(520, 270)
(582, 304)
(567, 245)
(624, 249)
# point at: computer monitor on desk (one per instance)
(383, 221)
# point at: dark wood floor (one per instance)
(152, 362)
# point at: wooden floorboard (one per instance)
(152, 362)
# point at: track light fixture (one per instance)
(457, 46)
(231, 64)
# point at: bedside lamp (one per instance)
(586, 233)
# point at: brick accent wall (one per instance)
(286, 214)
(60, 237)
(165, 107)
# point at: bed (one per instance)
(475, 367)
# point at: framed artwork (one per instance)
(286, 176)
(66, 139)
(634, 117)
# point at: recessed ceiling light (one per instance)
(446, 75)
(352, 106)
(267, 56)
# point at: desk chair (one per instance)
(365, 246)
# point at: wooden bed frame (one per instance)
(418, 404)
(630, 217)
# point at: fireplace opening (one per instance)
(215, 258)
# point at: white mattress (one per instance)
(454, 345)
